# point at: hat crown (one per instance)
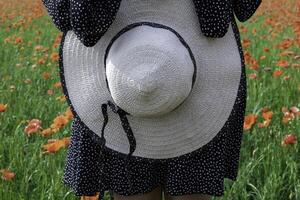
(149, 71)
(147, 83)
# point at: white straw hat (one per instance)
(172, 87)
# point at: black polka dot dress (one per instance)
(89, 170)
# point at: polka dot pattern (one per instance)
(89, 170)
(90, 19)
(244, 9)
(214, 22)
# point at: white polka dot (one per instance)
(89, 170)
(90, 19)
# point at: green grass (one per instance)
(267, 170)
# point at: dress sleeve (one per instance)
(216, 15)
(244, 9)
(89, 19)
(59, 10)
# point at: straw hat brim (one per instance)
(187, 128)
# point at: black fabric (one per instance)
(89, 170)
(244, 9)
(90, 19)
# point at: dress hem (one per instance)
(76, 193)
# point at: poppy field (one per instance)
(35, 119)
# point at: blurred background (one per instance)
(35, 118)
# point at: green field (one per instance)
(268, 170)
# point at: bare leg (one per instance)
(156, 194)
